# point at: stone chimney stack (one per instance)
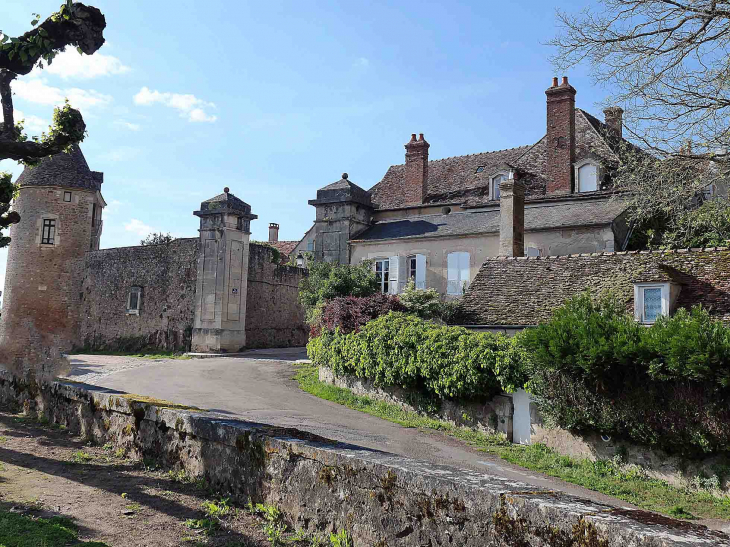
(560, 137)
(273, 232)
(512, 218)
(614, 117)
(416, 169)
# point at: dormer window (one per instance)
(480, 169)
(586, 176)
(654, 300)
(495, 182)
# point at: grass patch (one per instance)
(24, 531)
(81, 457)
(628, 483)
(162, 403)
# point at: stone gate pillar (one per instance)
(220, 295)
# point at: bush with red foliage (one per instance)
(349, 313)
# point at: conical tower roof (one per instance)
(68, 170)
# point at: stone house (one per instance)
(437, 221)
(217, 292)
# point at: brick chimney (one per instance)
(560, 137)
(416, 169)
(273, 232)
(614, 116)
(512, 217)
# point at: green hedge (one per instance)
(446, 362)
(593, 368)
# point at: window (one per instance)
(532, 251)
(67, 197)
(496, 180)
(416, 270)
(588, 177)
(458, 273)
(480, 169)
(310, 245)
(48, 236)
(134, 301)
(382, 269)
(93, 214)
(651, 302)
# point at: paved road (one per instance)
(259, 387)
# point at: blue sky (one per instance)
(276, 99)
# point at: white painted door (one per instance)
(521, 426)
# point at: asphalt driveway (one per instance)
(259, 387)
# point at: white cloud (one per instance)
(70, 64)
(189, 106)
(128, 125)
(113, 207)
(37, 90)
(138, 227)
(362, 62)
(32, 124)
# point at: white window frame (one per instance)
(385, 267)
(579, 166)
(639, 289)
(417, 274)
(138, 291)
(532, 251)
(494, 186)
(458, 276)
(70, 196)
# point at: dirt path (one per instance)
(46, 472)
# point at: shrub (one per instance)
(594, 369)
(427, 303)
(350, 313)
(403, 350)
(327, 281)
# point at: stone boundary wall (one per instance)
(274, 317)
(167, 275)
(497, 416)
(381, 499)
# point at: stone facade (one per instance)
(524, 291)
(166, 274)
(43, 284)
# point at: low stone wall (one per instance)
(497, 416)
(494, 416)
(381, 499)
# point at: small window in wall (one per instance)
(93, 214)
(651, 302)
(67, 197)
(480, 169)
(382, 269)
(48, 236)
(496, 180)
(134, 301)
(310, 245)
(532, 251)
(588, 178)
(458, 273)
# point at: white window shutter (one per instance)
(452, 286)
(403, 271)
(393, 275)
(465, 274)
(420, 272)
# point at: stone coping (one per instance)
(480, 492)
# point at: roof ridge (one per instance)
(474, 154)
(614, 253)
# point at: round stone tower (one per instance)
(60, 206)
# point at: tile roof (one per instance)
(68, 170)
(538, 216)
(284, 247)
(506, 291)
(456, 178)
(225, 202)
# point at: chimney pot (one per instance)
(413, 136)
(226, 190)
(565, 80)
(555, 81)
(420, 136)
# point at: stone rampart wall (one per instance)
(274, 317)
(321, 486)
(167, 275)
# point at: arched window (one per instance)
(496, 180)
(588, 177)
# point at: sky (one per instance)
(276, 99)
